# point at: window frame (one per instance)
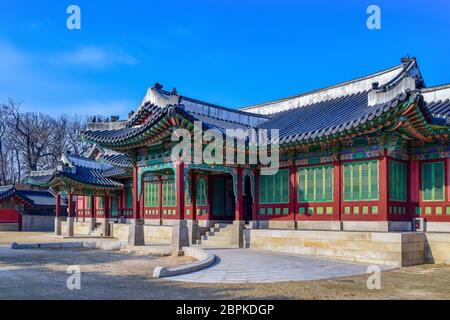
(360, 180)
(315, 169)
(433, 163)
(272, 201)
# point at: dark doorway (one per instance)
(223, 201)
(247, 199)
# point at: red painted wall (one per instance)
(9, 216)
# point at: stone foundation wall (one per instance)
(37, 223)
(152, 234)
(433, 226)
(437, 247)
(392, 249)
(6, 226)
(157, 234)
(121, 231)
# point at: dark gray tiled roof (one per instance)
(117, 160)
(116, 172)
(42, 198)
(209, 122)
(90, 176)
(327, 117)
(143, 112)
(440, 110)
(33, 197)
(7, 192)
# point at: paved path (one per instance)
(255, 266)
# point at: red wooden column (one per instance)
(70, 212)
(57, 205)
(136, 214)
(193, 197)
(239, 213)
(93, 207)
(58, 214)
(292, 192)
(414, 187)
(384, 192)
(337, 193)
(255, 197)
(107, 211)
(160, 198)
(179, 173)
(70, 215)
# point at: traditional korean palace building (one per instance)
(369, 154)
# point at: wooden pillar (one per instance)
(193, 196)
(136, 214)
(384, 190)
(179, 173)
(107, 213)
(160, 198)
(239, 213)
(70, 208)
(255, 208)
(57, 205)
(337, 191)
(57, 214)
(93, 207)
(292, 191)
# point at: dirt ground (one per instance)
(41, 274)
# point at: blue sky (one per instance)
(233, 53)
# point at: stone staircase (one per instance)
(218, 236)
(98, 230)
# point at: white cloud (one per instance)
(96, 57)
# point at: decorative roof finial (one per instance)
(157, 86)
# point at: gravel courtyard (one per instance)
(41, 274)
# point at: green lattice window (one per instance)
(115, 206)
(128, 198)
(169, 193)
(397, 181)
(274, 188)
(151, 194)
(201, 195)
(433, 181)
(315, 184)
(187, 191)
(87, 203)
(100, 203)
(361, 181)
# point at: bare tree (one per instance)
(32, 141)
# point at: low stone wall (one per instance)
(81, 228)
(437, 247)
(121, 231)
(392, 249)
(157, 234)
(37, 223)
(7, 226)
(152, 234)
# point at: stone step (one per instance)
(217, 236)
(216, 242)
(220, 232)
(222, 225)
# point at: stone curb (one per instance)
(61, 245)
(205, 259)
